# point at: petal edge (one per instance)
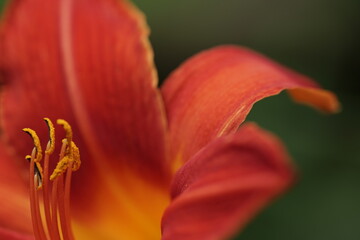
(211, 94)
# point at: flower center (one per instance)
(55, 188)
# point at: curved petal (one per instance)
(89, 62)
(15, 207)
(224, 185)
(211, 94)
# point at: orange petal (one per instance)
(15, 217)
(212, 93)
(221, 188)
(322, 99)
(89, 62)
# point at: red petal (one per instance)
(211, 94)
(89, 62)
(223, 186)
(14, 197)
(11, 235)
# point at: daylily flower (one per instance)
(172, 163)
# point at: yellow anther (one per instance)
(71, 154)
(75, 157)
(61, 167)
(51, 144)
(38, 171)
(37, 144)
(67, 129)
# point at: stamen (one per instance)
(50, 147)
(34, 203)
(55, 199)
(32, 207)
(67, 163)
(57, 206)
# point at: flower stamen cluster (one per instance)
(55, 188)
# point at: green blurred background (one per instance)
(319, 38)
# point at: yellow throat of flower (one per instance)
(55, 188)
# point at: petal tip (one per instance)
(323, 100)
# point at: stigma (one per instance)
(54, 188)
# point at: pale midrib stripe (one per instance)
(79, 109)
